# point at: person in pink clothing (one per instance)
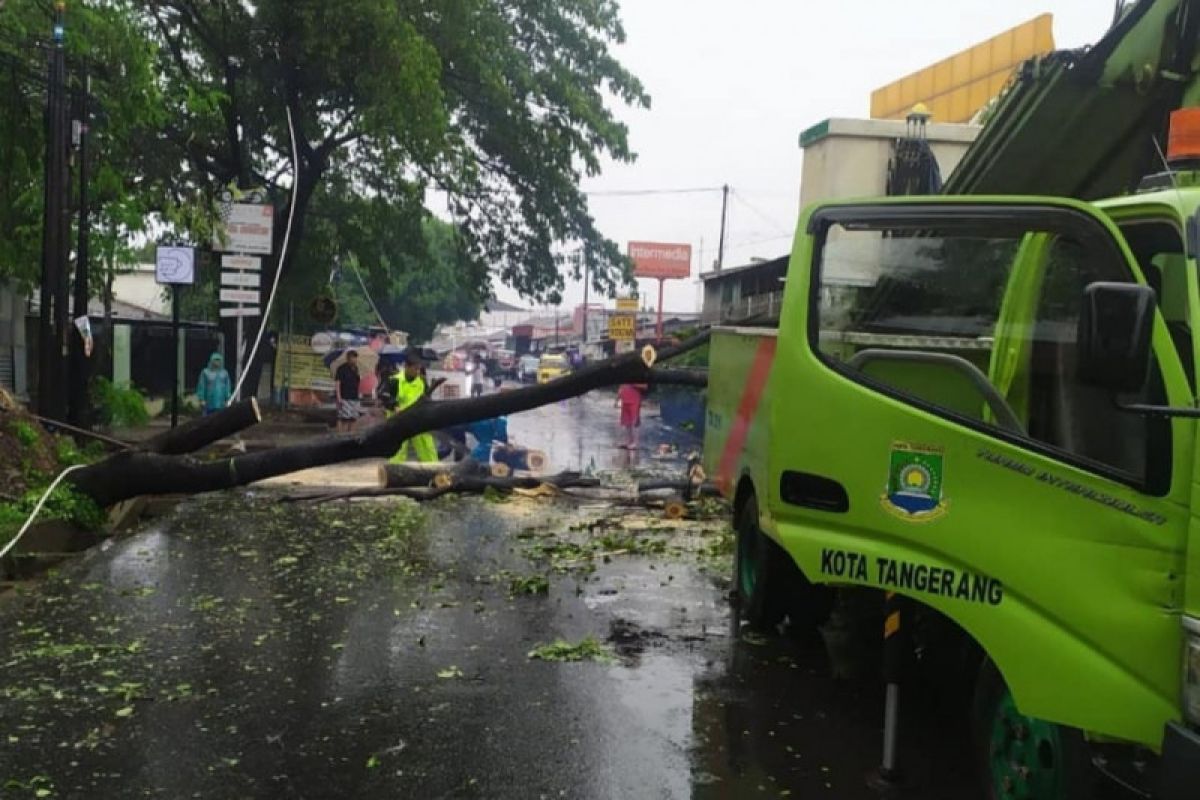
(629, 398)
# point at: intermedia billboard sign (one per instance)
(662, 261)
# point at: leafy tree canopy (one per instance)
(496, 107)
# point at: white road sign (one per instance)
(175, 266)
(250, 279)
(251, 263)
(244, 228)
(239, 296)
(240, 311)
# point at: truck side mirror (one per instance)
(1116, 323)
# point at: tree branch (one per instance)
(132, 474)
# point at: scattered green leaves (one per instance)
(587, 649)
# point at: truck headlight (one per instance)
(1191, 670)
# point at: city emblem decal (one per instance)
(914, 486)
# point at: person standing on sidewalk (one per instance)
(345, 386)
(214, 387)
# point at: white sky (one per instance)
(734, 82)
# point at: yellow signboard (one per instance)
(300, 366)
(956, 88)
(627, 304)
(622, 327)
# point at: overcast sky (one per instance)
(733, 82)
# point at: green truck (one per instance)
(986, 405)
(972, 441)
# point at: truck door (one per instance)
(929, 368)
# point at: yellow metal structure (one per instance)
(956, 88)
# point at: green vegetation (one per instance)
(399, 105)
(588, 649)
(64, 503)
(529, 584)
(118, 406)
(25, 432)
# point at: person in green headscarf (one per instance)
(214, 387)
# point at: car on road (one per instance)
(551, 366)
(527, 367)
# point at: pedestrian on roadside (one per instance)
(345, 386)
(629, 398)
(410, 389)
(214, 387)
(477, 385)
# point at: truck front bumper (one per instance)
(1179, 767)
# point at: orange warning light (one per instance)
(1183, 139)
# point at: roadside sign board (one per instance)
(624, 346)
(240, 311)
(239, 296)
(245, 263)
(175, 266)
(627, 304)
(245, 228)
(660, 260)
(247, 279)
(622, 327)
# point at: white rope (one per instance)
(287, 235)
(37, 508)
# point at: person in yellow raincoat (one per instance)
(410, 387)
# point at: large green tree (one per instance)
(494, 109)
(106, 43)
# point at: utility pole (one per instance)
(53, 322)
(581, 255)
(724, 217)
(78, 398)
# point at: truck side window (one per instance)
(978, 322)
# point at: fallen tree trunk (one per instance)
(203, 431)
(706, 489)
(131, 474)
(399, 476)
(422, 489)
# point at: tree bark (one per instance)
(128, 475)
(197, 433)
(401, 476)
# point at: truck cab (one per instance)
(985, 406)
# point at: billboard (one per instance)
(658, 260)
(956, 88)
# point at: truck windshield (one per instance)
(977, 320)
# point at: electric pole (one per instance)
(53, 320)
(724, 217)
(78, 405)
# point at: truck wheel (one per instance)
(1020, 757)
(756, 572)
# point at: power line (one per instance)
(644, 192)
(761, 215)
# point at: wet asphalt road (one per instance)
(246, 647)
